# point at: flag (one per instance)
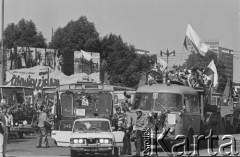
(86, 55)
(227, 91)
(211, 72)
(193, 43)
(161, 64)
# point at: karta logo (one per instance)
(182, 145)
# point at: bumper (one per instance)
(92, 149)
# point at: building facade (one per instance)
(226, 57)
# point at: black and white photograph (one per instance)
(119, 78)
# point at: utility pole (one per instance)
(168, 54)
(2, 49)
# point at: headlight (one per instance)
(24, 122)
(105, 141)
(16, 123)
(77, 141)
(80, 141)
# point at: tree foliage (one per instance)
(123, 65)
(23, 34)
(197, 61)
(77, 35)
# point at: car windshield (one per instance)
(87, 126)
(158, 101)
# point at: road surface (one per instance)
(27, 148)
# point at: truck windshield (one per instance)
(162, 101)
(90, 125)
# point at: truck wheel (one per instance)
(73, 153)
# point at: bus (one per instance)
(78, 100)
(20, 101)
(179, 103)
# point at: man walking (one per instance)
(43, 141)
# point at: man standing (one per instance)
(43, 141)
(127, 127)
(3, 142)
(141, 124)
(117, 119)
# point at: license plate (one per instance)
(91, 149)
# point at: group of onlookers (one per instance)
(132, 127)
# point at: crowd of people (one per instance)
(191, 78)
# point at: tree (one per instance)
(197, 61)
(123, 65)
(23, 34)
(77, 35)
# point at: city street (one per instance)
(26, 147)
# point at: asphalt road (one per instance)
(27, 148)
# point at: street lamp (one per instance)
(168, 54)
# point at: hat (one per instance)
(138, 110)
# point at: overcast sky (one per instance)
(151, 25)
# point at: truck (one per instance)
(20, 100)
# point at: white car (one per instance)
(94, 136)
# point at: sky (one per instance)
(151, 25)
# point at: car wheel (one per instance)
(73, 153)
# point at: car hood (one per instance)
(92, 135)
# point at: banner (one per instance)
(43, 76)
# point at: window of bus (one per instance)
(67, 104)
(191, 103)
(168, 101)
(163, 101)
(143, 101)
